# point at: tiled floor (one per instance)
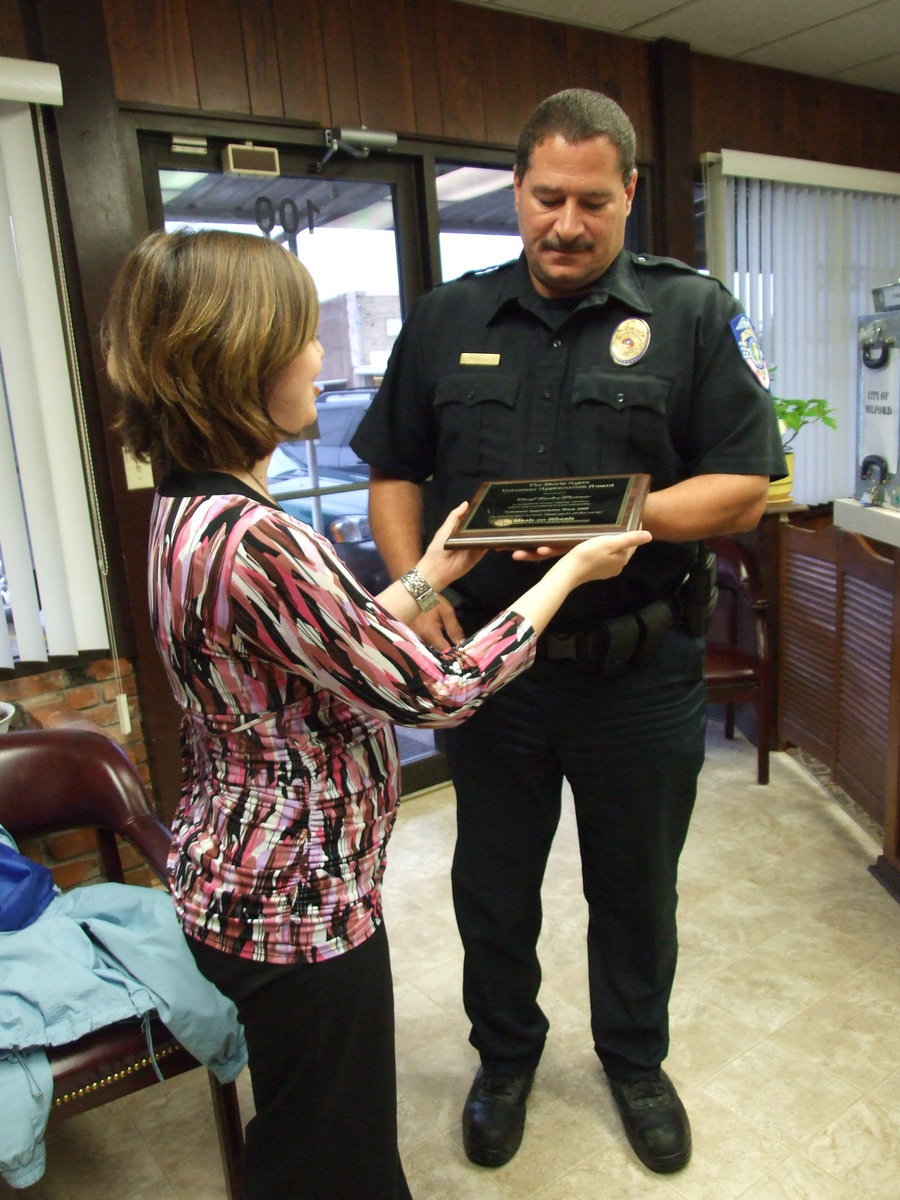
(785, 1025)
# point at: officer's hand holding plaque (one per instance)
(511, 513)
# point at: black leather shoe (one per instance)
(655, 1121)
(493, 1118)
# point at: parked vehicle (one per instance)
(340, 511)
(339, 414)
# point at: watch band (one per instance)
(419, 588)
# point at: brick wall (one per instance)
(80, 696)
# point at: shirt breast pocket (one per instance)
(619, 424)
(476, 414)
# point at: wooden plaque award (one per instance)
(510, 513)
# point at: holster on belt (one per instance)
(698, 594)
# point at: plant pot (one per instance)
(780, 489)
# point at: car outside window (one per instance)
(321, 482)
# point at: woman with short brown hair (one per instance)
(289, 675)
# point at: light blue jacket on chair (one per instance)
(98, 954)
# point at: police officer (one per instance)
(579, 358)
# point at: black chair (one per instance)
(62, 779)
(735, 674)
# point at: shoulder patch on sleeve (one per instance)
(748, 344)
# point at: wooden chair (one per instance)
(61, 779)
(733, 673)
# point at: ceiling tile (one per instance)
(839, 44)
(730, 29)
(883, 73)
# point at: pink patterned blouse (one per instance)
(290, 675)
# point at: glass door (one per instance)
(477, 217)
(353, 224)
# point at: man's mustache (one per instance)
(576, 246)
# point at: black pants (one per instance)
(631, 749)
(320, 1041)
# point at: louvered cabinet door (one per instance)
(808, 640)
(864, 680)
(837, 637)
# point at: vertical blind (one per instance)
(50, 555)
(802, 245)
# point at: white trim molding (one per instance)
(30, 82)
(805, 172)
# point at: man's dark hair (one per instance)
(578, 114)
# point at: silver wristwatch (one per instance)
(420, 589)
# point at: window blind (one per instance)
(802, 245)
(50, 555)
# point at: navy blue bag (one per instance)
(26, 888)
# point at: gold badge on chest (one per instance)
(629, 341)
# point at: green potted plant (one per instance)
(793, 415)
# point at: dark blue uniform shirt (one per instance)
(489, 380)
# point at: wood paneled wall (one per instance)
(432, 68)
(13, 43)
(440, 69)
(743, 107)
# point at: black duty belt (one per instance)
(617, 644)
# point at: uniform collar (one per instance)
(620, 282)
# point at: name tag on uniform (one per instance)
(479, 360)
